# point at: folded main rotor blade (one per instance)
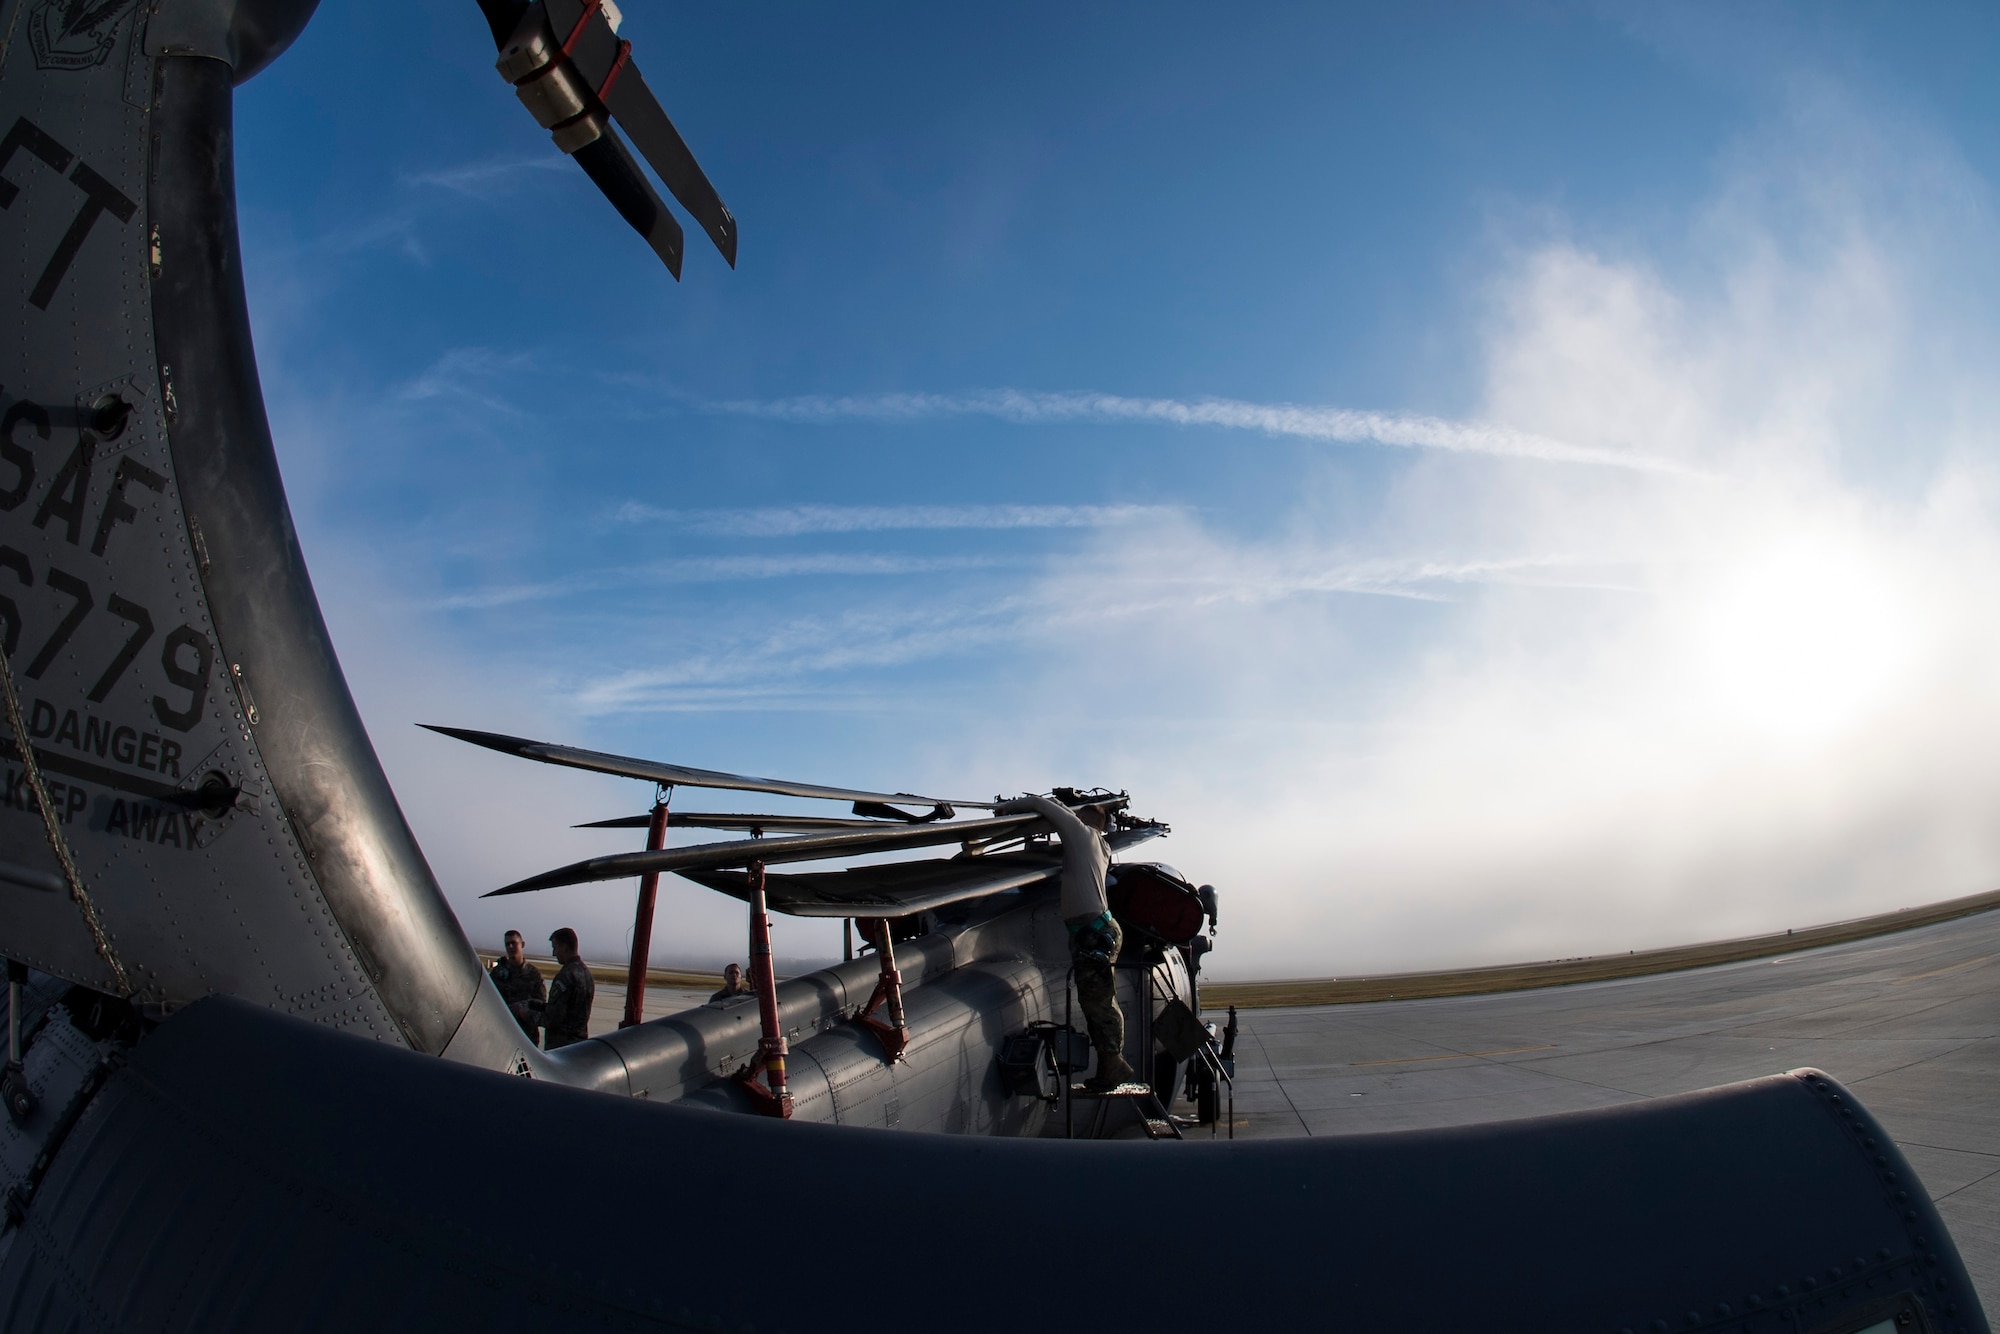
(597, 53)
(703, 820)
(890, 890)
(1137, 834)
(771, 851)
(880, 810)
(675, 775)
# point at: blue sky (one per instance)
(1504, 481)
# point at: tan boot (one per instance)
(1112, 1071)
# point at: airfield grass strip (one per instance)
(1590, 968)
(1464, 981)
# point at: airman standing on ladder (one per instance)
(1094, 935)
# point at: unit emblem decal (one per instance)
(75, 34)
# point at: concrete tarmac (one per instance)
(1910, 1022)
(608, 1005)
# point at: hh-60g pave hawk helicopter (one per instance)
(259, 1080)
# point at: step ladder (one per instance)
(1153, 1117)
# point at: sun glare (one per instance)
(1803, 639)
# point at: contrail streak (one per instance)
(1334, 425)
(795, 520)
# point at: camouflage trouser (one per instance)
(1097, 994)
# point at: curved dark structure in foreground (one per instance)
(251, 1172)
(265, 1084)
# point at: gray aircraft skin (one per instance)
(243, 973)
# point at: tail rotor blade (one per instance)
(610, 167)
(639, 114)
(605, 64)
(575, 75)
(502, 16)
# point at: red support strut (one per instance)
(642, 921)
(895, 1035)
(771, 1047)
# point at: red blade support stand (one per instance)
(894, 1035)
(776, 1100)
(642, 922)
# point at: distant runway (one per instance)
(1911, 1022)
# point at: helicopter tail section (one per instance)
(211, 816)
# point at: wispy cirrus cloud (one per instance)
(799, 520)
(466, 373)
(801, 658)
(395, 231)
(1223, 578)
(401, 228)
(806, 655)
(486, 177)
(710, 570)
(1299, 421)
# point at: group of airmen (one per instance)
(555, 1014)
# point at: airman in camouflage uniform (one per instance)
(520, 984)
(566, 1016)
(734, 984)
(1094, 934)
(1093, 948)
